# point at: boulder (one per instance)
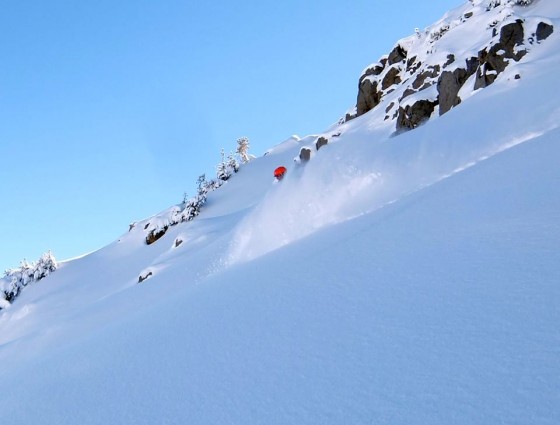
(321, 141)
(305, 154)
(544, 30)
(413, 115)
(155, 235)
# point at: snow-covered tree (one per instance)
(15, 280)
(232, 163)
(222, 170)
(243, 149)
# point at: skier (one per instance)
(280, 172)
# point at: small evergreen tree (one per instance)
(243, 149)
(16, 279)
(232, 163)
(222, 170)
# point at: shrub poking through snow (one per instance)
(15, 280)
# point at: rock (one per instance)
(414, 115)
(468, 15)
(448, 87)
(305, 154)
(143, 278)
(472, 65)
(517, 76)
(131, 226)
(492, 62)
(398, 54)
(407, 93)
(388, 108)
(321, 141)
(544, 30)
(412, 66)
(431, 72)
(154, 235)
(347, 118)
(373, 70)
(511, 35)
(368, 97)
(178, 242)
(391, 77)
(450, 60)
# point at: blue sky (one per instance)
(110, 110)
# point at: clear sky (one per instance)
(109, 110)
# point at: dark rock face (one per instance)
(414, 115)
(398, 54)
(374, 70)
(472, 65)
(493, 61)
(511, 35)
(392, 77)
(368, 97)
(448, 87)
(321, 141)
(431, 72)
(544, 31)
(305, 154)
(412, 66)
(407, 75)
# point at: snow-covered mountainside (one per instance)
(389, 277)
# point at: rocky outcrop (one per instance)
(368, 96)
(409, 75)
(413, 115)
(494, 60)
(398, 54)
(420, 80)
(391, 77)
(448, 87)
(321, 141)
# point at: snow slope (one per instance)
(409, 279)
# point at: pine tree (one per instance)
(26, 274)
(222, 171)
(232, 163)
(243, 149)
